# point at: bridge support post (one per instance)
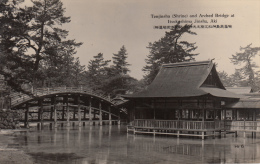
(40, 114)
(79, 111)
(89, 113)
(84, 114)
(55, 117)
(63, 110)
(74, 114)
(100, 114)
(109, 115)
(68, 112)
(26, 123)
(52, 108)
(74, 110)
(118, 121)
(55, 112)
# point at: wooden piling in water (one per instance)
(26, 123)
(68, 111)
(109, 115)
(100, 114)
(79, 111)
(89, 114)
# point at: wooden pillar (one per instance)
(55, 112)
(89, 113)
(225, 122)
(63, 108)
(84, 113)
(153, 109)
(94, 114)
(197, 111)
(51, 111)
(74, 110)
(109, 115)
(40, 113)
(237, 112)
(134, 110)
(100, 114)
(74, 114)
(68, 111)
(26, 116)
(79, 111)
(203, 118)
(119, 118)
(255, 123)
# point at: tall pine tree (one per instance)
(120, 63)
(169, 49)
(246, 57)
(97, 70)
(36, 37)
(15, 66)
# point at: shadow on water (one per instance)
(42, 157)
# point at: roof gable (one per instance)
(213, 79)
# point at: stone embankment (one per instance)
(9, 119)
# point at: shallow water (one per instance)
(111, 144)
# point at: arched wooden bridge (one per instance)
(66, 105)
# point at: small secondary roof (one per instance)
(240, 90)
(245, 104)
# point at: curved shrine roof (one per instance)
(184, 79)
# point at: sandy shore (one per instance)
(11, 155)
(14, 156)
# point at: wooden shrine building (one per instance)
(185, 98)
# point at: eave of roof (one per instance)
(217, 92)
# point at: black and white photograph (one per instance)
(129, 81)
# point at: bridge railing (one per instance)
(17, 97)
(20, 97)
(178, 124)
(253, 126)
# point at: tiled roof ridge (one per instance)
(183, 64)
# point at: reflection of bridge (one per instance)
(66, 105)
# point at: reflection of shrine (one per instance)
(183, 149)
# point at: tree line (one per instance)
(247, 75)
(35, 49)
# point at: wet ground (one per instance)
(111, 144)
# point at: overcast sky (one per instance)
(105, 25)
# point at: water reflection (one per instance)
(111, 144)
